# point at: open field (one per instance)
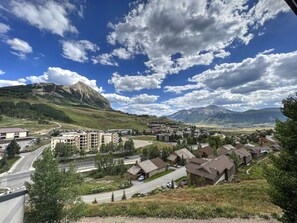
(245, 199)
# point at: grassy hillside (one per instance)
(83, 117)
(245, 199)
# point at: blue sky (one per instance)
(154, 57)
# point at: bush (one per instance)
(138, 195)
(97, 190)
(98, 175)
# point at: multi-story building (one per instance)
(13, 133)
(85, 140)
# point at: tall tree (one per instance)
(51, 196)
(12, 149)
(282, 175)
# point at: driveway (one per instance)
(137, 188)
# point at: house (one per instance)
(147, 168)
(13, 133)
(205, 152)
(210, 172)
(243, 155)
(259, 151)
(223, 150)
(179, 155)
(238, 145)
(165, 137)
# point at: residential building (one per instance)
(210, 172)
(13, 133)
(259, 151)
(85, 139)
(205, 151)
(165, 137)
(243, 155)
(178, 155)
(147, 168)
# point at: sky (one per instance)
(154, 57)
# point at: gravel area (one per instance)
(172, 220)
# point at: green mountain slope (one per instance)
(84, 107)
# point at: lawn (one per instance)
(105, 184)
(158, 175)
(245, 199)
(10, 163)
(145, 137)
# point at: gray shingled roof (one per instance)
(184, 153)
(134, 170)
(11, 130)
(147, 166)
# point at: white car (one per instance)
(141, 178)
(170, 186)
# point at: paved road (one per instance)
(139, 187)
(27, 160)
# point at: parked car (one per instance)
(141, 178)
(170, 186)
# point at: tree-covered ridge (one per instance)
(25, 110)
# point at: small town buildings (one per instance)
(259, 151)
(210, 172)
(176, 156)
(147, 168)
(13, 133)
(165, 137)
(85, 139)
(205, 151)
(243, 155)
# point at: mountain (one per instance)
(217, 115)
(77, 94)
(74, 107)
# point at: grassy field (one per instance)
(145, 137)
(10, 162)
(105, 184)
(158, 175)
(245, 199)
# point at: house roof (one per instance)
(229, 147)
(198, 161)
(172, 157)
(134, 169)
(211, 168)
(11, 130)
(207, 150)
(159, 163)
(238, 146)
(243, 152)
(147, 166)
(184, 153)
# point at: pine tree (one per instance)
(124, 195)
(52, 197)
(282, 175)
(3, 161)
(112, 197)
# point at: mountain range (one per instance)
(217, 115)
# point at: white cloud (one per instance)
(122, 53)
(20, 47)
(78, 50)
(58, 75)
(135, 83)
(262, 81)
(2, 72)
(4, 28)
(178, 34)
(104, 59)
(5, 83)
(180, 89)
(138, 99)
(149, 109)
(52, 16)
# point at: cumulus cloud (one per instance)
(196, 31)
(262, 81)
(78, 50)
(182, 88)
(58, 75)
(4, 28)
(2, 72)
(20, 47)
(135, 83)
(149, 109)
(6, 83)
(52, 16)
(122, 53)
(138, 99)
(105, 59)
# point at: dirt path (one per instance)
(171, 220)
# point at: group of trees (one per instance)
(32, 111)
(128, 146)
(108, 166)
(12, 149)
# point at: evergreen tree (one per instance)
(12, 149)
(282, 175)
(3, 161)
(112, 197)
(51, 196)
(124, 197)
